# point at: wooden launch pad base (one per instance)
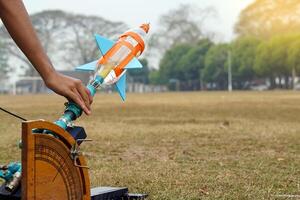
(50, 170)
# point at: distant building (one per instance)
(31, 85)
(3, 90)
(85, 77)
(34, 85)
(144, 88)
(4, 87)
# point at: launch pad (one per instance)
(54, 168)
(52, 165)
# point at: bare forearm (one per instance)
(17, 22)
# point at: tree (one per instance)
(216, 63)
(294, 58)
(185, 24)
(263, 66)
(243, 60)
(272, 58)
(49, 26)
(266, 18)
(155, 77)
(181, 66)
(79, 46)
(66, 38)
(182, 25)
(192, 63)
(169, 63)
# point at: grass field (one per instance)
(242, 145)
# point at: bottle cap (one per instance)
(145, 27)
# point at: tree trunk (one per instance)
(286, 81)
(201, 84)
(293, 78)
(280, 83)
(272, 82)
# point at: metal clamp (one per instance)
(75, 152)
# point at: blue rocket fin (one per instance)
(121, 87)
(134, 64)
(103, 44)
(89, 67)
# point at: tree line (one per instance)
(266, 51)
(66, 37)
(204, 65)
(182, 54)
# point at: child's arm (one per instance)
(18, 24)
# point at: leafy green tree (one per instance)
(192, 63)
(294, 58)
(294, 55)
(263, 65)
(272, 58)
(155, 78)
(216, 63)
(182, 64)
(169, 68)
(267, 18)
(243, 60)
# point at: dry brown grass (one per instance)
(216, 145)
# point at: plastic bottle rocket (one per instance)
(117, 58)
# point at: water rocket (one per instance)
(116, 58)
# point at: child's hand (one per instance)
(72, 89)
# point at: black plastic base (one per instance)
(104, 193)
(77, 133)
(5, 195)
(112, 193)
(100, 193)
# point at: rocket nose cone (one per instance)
(145, 27)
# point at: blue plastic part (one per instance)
(12, 168)
(104, 44)
(98, 80)
(74, 111)
(121, 87)
(61, 124)
(92, 90)
(134, 64)
(89, 67)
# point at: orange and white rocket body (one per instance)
(117, 57)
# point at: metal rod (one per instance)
(15, 115)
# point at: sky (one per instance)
(135, 12)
